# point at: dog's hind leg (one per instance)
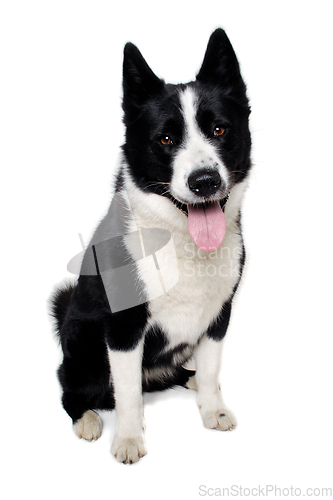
(89, 426)
(85, 376)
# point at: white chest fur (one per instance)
(204, 281)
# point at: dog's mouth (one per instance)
(206, 222)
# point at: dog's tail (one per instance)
(59, 304)
(177, 376)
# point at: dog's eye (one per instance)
(166, 140)
(218, 131)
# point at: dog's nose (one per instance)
(204, 182)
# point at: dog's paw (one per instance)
(128, 450)
(221, 420)
(89, 426)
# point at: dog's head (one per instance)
(188, 142)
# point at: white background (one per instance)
(60, 135)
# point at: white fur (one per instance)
(206, 279)
(197, 152)
(207, 356)
(197, 283)
(128, 450)
(158, 279)
(128, 444)
(89, 426)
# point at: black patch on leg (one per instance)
(85, 332)
(126, 328)
(218, 329)
(84, 373)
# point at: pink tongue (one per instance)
(206, 225)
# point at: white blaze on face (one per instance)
(196, 153)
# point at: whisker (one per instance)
(157, 183)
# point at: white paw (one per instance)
(128, 450)
(221, 420)
(89, 426)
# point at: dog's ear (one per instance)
(139, 81)
(220, 64)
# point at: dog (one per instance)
(158, 278)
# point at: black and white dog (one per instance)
(158, 278)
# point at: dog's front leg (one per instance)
(207, 357)
(126, 371)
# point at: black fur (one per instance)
(152, 109)
(86, 327)
(85, 324)
(60, 303)
(218, 329)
